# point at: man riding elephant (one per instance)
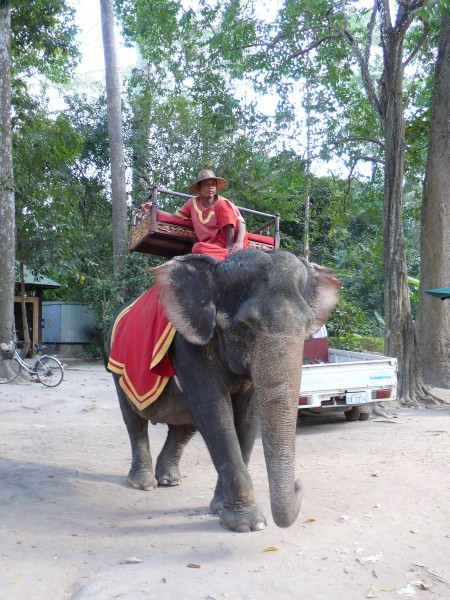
(218, 225)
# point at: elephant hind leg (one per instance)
(140, 476)
(167, 465)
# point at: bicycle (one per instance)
(46, 369)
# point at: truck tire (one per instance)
(354, 414)
(364, 416)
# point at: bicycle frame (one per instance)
(46, 369)
(25, 365)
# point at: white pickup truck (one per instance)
(339, 380)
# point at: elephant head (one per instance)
(261, 307)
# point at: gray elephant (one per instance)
(241, 324)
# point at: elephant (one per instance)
(240, 328)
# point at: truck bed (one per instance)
(349, 378)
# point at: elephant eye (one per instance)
(249, 318)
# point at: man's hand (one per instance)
(235, 247)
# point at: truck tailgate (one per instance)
(349, 371)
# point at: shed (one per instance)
(35, 285)
(68, 326)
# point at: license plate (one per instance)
(356, 398)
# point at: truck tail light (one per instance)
(304, 400)
(381, 394)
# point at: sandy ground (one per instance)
(375, 519)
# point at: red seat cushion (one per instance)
(263, 239)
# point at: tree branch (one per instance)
(365, 74)
(355, 161)
(370, 29)
(363, 139)
(314, 45)
(426, 29)
(405, 14)
(385, 16)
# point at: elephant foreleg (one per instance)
(141, 474)
(234, 498)
(167, 465)
(245, 422)
(246, 426)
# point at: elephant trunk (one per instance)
(277, 388)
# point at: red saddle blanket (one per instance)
(140, 339)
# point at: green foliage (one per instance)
(100, 291)
(355, 343)
(186, 110)
(43, 38)
(42, 149)
(347, 319)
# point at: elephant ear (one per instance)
(321, 294)
(186, 284)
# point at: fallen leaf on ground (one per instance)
(422, 584)
(370, 559)
(131, 561)
(372, 592)
(193, 566)
(310, 520)
(414, 530)
(388, 589)
(270, 549)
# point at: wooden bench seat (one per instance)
(162, 234)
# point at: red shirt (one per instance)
(209, 223)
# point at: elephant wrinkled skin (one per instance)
(241, 325)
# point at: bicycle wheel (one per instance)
(9, 370)
(49, 370)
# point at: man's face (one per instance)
(207, 188)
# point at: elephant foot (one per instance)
(168, 475)
(142, 479)
(216, 504)
(243, 520)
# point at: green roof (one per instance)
(32, 278)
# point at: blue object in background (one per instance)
(441, 293)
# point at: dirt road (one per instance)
(374, 523)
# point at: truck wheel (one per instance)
(354, 414)
(364, 416)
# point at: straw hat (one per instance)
(207, 174)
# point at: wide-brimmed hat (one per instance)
(207, 174)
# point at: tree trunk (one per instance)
(26, 331)
(399, 327)
(115, 134)
(433, 317)
(7, 216)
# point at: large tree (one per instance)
(7, 228)
(400, 340)
(433, 317)
(34, 38)
(115, 133)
